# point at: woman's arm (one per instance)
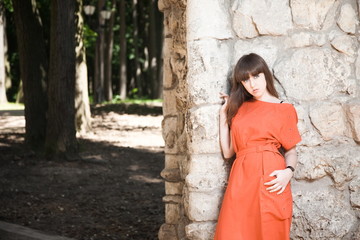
(225, 136)
(283, 176)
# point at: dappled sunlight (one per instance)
(119, 165)
(11, 123)
(146, 179)
(127, 130)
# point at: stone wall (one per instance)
(313, 49)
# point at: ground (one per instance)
(113, 192)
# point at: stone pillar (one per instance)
(174, 111)
(313, 50)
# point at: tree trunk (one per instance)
(159, 50)
(123, 74)
(33, 69)
(82, 107)
(3, 98)
(61, 134)
(136, 47)
(99, 57)
(109, 54)
(153, 64)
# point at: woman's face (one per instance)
(256, 86)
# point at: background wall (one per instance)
(313, 49)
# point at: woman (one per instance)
(254, 125)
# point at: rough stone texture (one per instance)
(212, 20)
(336, 215)
(244, 25)
(345, 44)
(298, 71)
(347, 20)
(205, 81)
(203, 138)
(200, 231)
(309, 13)
(174, 109)
(329, 119)
(305, 39)
(203, 206)
(355, 193)
(328, 160)
(313, 50)
(203, 178)
(353, 115)
(265, 15)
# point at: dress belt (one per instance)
(260, 148)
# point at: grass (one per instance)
(11, 106)
(141, 101)
(116, 100)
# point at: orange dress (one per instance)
(249, 211)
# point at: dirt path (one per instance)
(114, 192)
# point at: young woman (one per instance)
(255, 125)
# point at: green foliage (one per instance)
(7, 4)
(117, 100)
(14, 75)
(90, 36)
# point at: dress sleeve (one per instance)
(289, 133)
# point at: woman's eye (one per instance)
(246, 80)
(256, 76)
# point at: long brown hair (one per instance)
(251, 64)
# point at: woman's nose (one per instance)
(252, 82)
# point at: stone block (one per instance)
(312, 73)
(203, 130)
(310, 14)
(347, 20)
(266, 47)
(172, 160)
(206, 172)
(353, 116)
(340, 161)
(163, 5)
(321, 212)
(309, 135)
(310, 164)
(354, 187)
(208, 19)
(174, 188)
(173, 133)
(203, 206)
(345, 44)
(172, 213)
(244, 25)
(169, 82)
(305, 39)
(174, 199)
(171, 174)
(357, 65)
(167, 232)
(169, 104)
(200, 230)
(329, 119)
(269, 17)
(208, 70)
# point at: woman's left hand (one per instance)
(280, 182)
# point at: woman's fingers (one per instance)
(282, 190)
(224, 95)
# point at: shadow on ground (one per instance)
(112, 193)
